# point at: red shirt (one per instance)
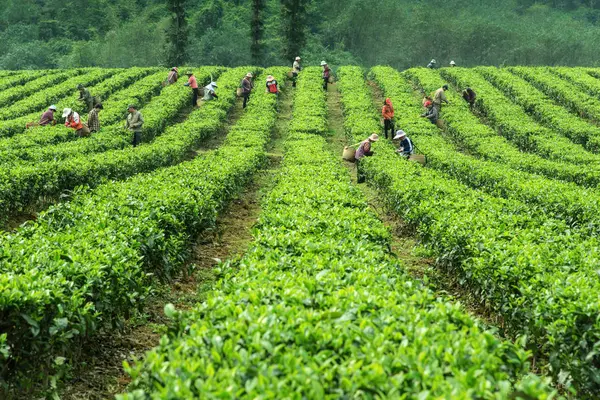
(193, 83)
(272, 86)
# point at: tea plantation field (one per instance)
(319, 305)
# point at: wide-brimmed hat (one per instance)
(189, 73)
(213, 84)
(52, 107)
(298, 58)
(323, 63)
(433, 61)
(249, 75)
(399, 134)
(452, 63)
(175, 69)
(374, 137)
(66, 112)
(270, 78)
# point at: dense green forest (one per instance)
(401, 33)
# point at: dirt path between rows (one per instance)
(404, 242)
(101, 374)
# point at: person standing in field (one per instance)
(173, 76)
(326, 74)
(296, 68)
(364, 150)
(272, 85)
(387, 112)
(193, 83)
(247, 87)
(134, 123)
(209, 92)
(432, 64)
(93, 121)
(439, 97)
(85, 97)
(72, 120)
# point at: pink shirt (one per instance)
(193, 83)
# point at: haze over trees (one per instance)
(401, 33)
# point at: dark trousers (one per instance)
(388, 124)
(360, 173)
(294, 78)
(195, 97)
(325, 82)
(137, 138)
(246, 99)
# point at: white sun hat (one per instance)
(66, 112)
(399, 134)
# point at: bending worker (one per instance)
(134, 123)
(173, 76)
(432, 114)
(469, 95)
(272, 85)
(48, 117)
(209, 92)
(72, 120)
(364, 150)
(85, 97)
(439, 97)
(406, 147)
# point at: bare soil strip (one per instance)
(100, 374)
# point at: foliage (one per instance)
(51, 178)
(401, 33)
(512, 122)
(98, 254)
(319, 309)
(257, 31)
(177, 33)
(533, 270)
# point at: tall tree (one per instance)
(293, 26)
(256, 31)
(177, 33)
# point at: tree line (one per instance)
(400, 33)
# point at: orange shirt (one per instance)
(193, 83)
(388, 110)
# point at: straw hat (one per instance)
(374, 137)
(298, 58)
(270, 78)
(323, 63)
(249, 75)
